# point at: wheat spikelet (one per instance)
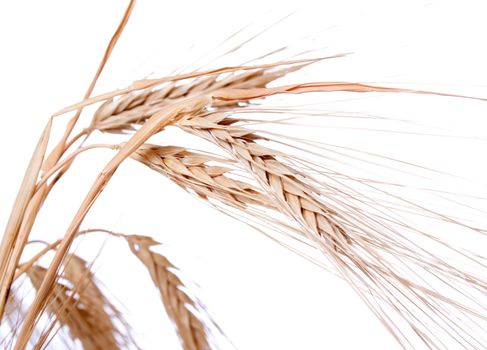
(191, 330)
(77, 271)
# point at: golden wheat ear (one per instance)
(77, 303)
(388, 268)
(184, 311)
(206, 175)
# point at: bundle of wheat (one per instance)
(382, 258)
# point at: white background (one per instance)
(263, 296)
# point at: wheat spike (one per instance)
(359, 256)
(120, 115)
(279, 181)
(191, 330)
(80, 306)
(78, 272)
(191, 171)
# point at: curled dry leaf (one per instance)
(11, 247)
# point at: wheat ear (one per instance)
(178, 304)
(122, 114)
(358, 252)
(80, 306)
(191, 171)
